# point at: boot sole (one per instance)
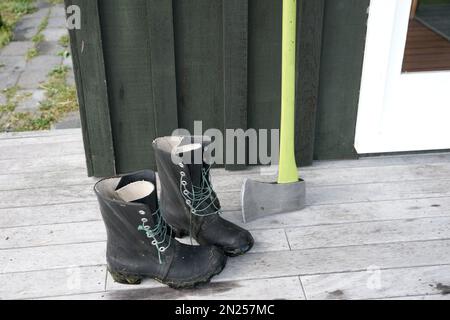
(237, 252)
(230, 252)
(135, 279)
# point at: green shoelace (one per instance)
(159, 231)
(197, 196)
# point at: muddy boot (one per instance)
(141, 244)
(188, 201)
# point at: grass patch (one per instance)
(10, 94)
(60, 100)
(12, 99)
(31, 53)
(11, 11)
(37, 39)
(64, 41)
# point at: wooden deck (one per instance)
(376, 228)
(425, 49)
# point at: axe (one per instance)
(260, 199)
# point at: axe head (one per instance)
(261, 199)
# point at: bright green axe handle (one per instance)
(287, 166)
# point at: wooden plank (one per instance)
(52, 257)
(378, 161)
(377, 284)
(48, 163)
(261, 289)
(425, 158)
(309, 40)
(270, 264)
(45, 179)
(369, 233)
(89, 68)
(25, 142)
(198, 29)
(46, 196)
(162, 64)
(38, 236)
(41, 150)
(336, 176)
(349, 213)
(127, 54)
(313, 215)
(333, 260)
(425, 49)
(27, 285)
(378, 192)
(264, 65)
(94, 231)
(235, 61)
(231, 201)
(39, 134)
(52, 214)
(344, 36)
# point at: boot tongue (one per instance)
(135, 189)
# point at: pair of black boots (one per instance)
(141, 232)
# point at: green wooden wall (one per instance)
(146, 67)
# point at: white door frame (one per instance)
(398, 112)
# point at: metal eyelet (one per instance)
(186, 193)
(182, 173)
(193, 211)
(181, 165)
(184, 183)
(188, 202)
(142, 212)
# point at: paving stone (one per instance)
(25, 33)
(49, 48)
(70, 121)
(3, 99)
(54, 34)
(28, 26)
(37, 70)
(12, 67)
(70, 80)
(57, 22)
(16, 48)
(68, 62)
(30, 101)
(28, 22)
(58, 11)
(40, 14)
(8, 80)
(42, 4)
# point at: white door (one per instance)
(398, 111)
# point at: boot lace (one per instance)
(159, 231)
(199, 198)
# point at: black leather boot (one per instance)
(188, 201)
(141, 244)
